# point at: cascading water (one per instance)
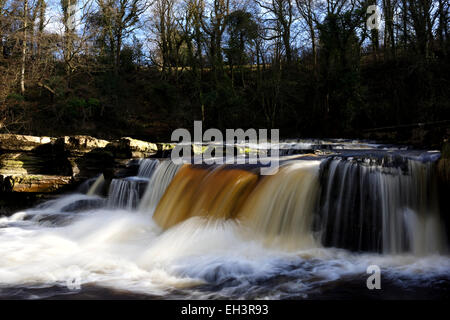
(97, 186)
(224, 231)
(371, 207)
(281, 207)
(125, 193)
(147, 167)
(157, 185)
(213, 192)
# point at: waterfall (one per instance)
(157, 185)
(364, 202)
(212, 192)
(278, 208)
(361, 205)
(97, 186)
(125, 193)
(226, 231)
(390, 209)
(147, 167)
(281, 207)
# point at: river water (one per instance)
(224, 232)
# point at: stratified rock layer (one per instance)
(46, 164)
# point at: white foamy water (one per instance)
(224, 232)
(124, 250)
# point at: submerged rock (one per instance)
(84, 204)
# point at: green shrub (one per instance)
(15, 96)
(77, 103)
(93, 102)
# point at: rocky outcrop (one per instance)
(27, 164)
(47, 164)
(16, 142)
(80, 144)
(34, 183)
(132, 148)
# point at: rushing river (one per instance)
(199, 232)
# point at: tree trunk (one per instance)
(442, 28)
(117, 60)
(42, 7)
(405, 23)
(24, 46)
(389, 40)
(314, 49)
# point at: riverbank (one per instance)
(33, 169)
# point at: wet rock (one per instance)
(34, 183)
(84, 204)
(44, 164)
(132, 148)
(165, 146)
(164, 150)
(443, 166)
(17, 142)
(22, 155)
(6, 184)
(85, 156)
(27, 163)
(80, 144)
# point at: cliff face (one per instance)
(46, 164)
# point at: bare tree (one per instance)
(308, 13)
(120, 18)
(24, 46)
(68, 20)
(420, 17)
(165, 26)
(279, 19)
(443, 24)
(389, 39)
(215, 29)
